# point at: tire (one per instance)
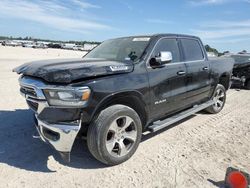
(219, 97)
(114, 135)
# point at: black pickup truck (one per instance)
(123, 87)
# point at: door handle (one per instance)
(181, 73)
(205, 68)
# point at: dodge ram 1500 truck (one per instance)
(123, 87)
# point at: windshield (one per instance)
(241, 58)
(130, 48)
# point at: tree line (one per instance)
(48, 40)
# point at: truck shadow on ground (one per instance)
(19, 149)
(148, 135)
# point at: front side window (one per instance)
(192, 50)
(169, 45)
(121, 49)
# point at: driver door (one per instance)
(167, 82)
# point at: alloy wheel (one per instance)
(121, 136)
(219, 99)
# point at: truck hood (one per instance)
(69, 70)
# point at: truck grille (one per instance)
(30, 88)
(33, 105)
(28, 91)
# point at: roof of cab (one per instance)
(159, 35)
(173, 35)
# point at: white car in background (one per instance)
(11, 43)
(78, 47)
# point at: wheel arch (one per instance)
(132, 99)
(224, 80)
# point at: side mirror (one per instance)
(163, 58)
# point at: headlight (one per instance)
(75, 97)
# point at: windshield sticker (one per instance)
(141, 39)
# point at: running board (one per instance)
(157, 125)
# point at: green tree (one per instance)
(210, 49)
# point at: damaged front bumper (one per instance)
(60, 136)
(58, 129)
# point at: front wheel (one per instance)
(219, 98)
(114, 135)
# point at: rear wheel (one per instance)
(219, 98)
(115, 134)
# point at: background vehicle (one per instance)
(78, 47)
(121, 88)
(241, 70)
(29, 45)
(68, 46)
(40, 45)
(11, 43)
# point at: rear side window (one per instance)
(192, 50)
(169, 45)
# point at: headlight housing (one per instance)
(74, 97)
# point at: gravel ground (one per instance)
(193, 153)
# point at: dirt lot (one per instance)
(193, 153)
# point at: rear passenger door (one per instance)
(198, 71)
